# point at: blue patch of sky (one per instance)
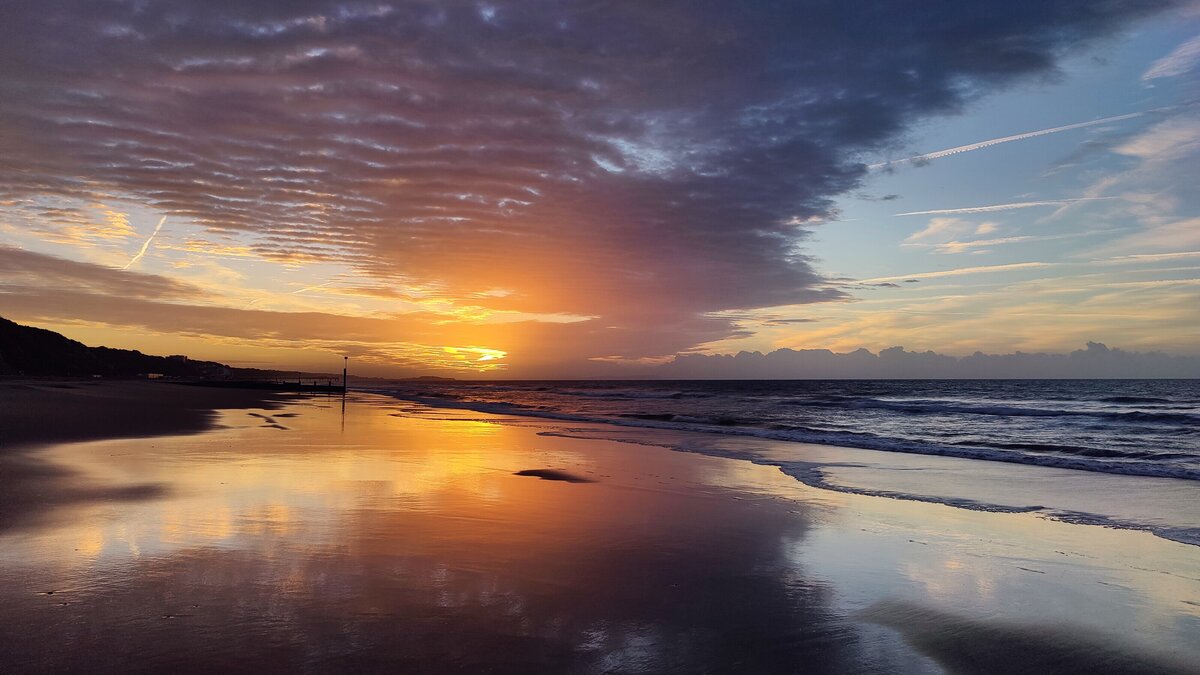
(1106, 80)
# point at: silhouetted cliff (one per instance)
(25, 350)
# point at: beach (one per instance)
(250, 532)
(37, 412)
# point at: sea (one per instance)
(1147, 431)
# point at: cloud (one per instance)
(962, 271)
(1157, 190)
(938, 154)
(210, 248)
(1166, 141)
(1150, 257)
(1095, 361)
(938, 227)
(967, 246)
(787, 322)
(635, 162)
(1003, 207)
(942, 235)
(76, 223)
(1168, 237)
(38, 289)
(1182, 60)
(21, 270)
(533, 349)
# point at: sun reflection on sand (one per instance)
(259, 482)
(414, 517)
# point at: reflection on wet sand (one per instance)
(409, 543)
(967, 645)
(36, 411)
(406, 542)
(34, 491)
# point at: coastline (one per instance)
(725, 425)
(395, 533)
(1167, 506)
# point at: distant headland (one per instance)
(26, 351)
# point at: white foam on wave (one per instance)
(813, 475)
(942, 407)
(849, 439)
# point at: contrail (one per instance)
(1007, 139)
(1002, 207)
(964, 270)
(313, 288)
(145, 245)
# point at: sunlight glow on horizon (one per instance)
(593, 214)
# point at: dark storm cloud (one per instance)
(615, 159)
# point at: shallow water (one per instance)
(399, 538)
(1119, 453)
(1129, 427)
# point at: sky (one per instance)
(546, 188)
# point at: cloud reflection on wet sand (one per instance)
(407, 543)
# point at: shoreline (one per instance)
(955, 452)
(825, 466)
(403, 534)
(91, 410)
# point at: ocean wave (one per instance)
(935, 407)
(616, 394)
(1140, 416)
(813, 475)
(1083, 450)
(658, 417)
(864, 440)
(1134, 399)
(627, 394)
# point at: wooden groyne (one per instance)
(313, 385)
(262, 385)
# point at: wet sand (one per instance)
(402, 539)
(38, 411)
(43, 410)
